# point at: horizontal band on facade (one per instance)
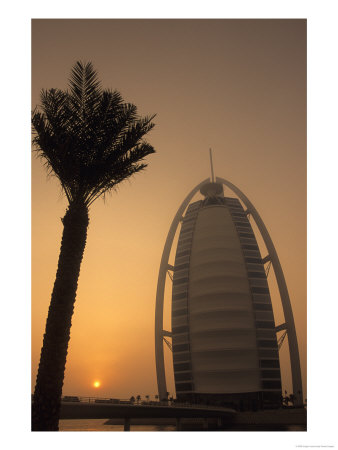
(186, 245)
(180, 312)
(192, 212)
(244, 224)
(262, 307)
(180, 321)
(266, 333)
(181, 267)
(233, 204)
(271, 384)
(187, 224)
(183, 259)
(267, 343)
(188, 218)
(265, 319)
(182, 329)
(264, 316)
(247, 235)
(269, 363)
(261, 298)
(220, 330)
(179, 289)
(238, 214)
(249, 241)
(265, 324)
(259, 290)
(184, 273)
(186, 387)
(219, 292)
(210, 202)
(231, 200)
(258, 282)
(217, 371)
(252, 254)
(180, 338)
(272, 373)
(251, 267)
(224, 350)
(186, 235)
(181, 357)
(181, 280)
(268, 353)
(181, 347)
(184, 253)
(182, 367)
(250, 247)
(257, 274)
(183, 377)
(178, 305)
(249, 259)
(180, 296)
(194, 205)
(273, 391)
(241, 229)
(240, 219)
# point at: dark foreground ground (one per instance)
(268, 420)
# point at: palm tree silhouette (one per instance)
(292, 399)
(91, 141)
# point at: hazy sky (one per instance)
(238, 86)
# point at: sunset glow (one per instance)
(238, 86)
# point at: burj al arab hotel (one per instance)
(224, 336)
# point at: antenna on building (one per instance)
(212, 168)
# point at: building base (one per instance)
(244, 401)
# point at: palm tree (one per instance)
(286, 400)
(292, 398)
(91, 141)
(138, 398)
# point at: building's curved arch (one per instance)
(283, 291)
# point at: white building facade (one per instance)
(223, 333)
(223, 330)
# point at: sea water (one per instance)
(99, 425)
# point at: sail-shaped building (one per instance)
(223, 333)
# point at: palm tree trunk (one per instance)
(49, 382)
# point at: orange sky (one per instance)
(238, 86)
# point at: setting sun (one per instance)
(96, 384)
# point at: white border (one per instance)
(15, 223)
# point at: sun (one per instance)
(96, 384)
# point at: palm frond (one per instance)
(85, 89)
(88, 137)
